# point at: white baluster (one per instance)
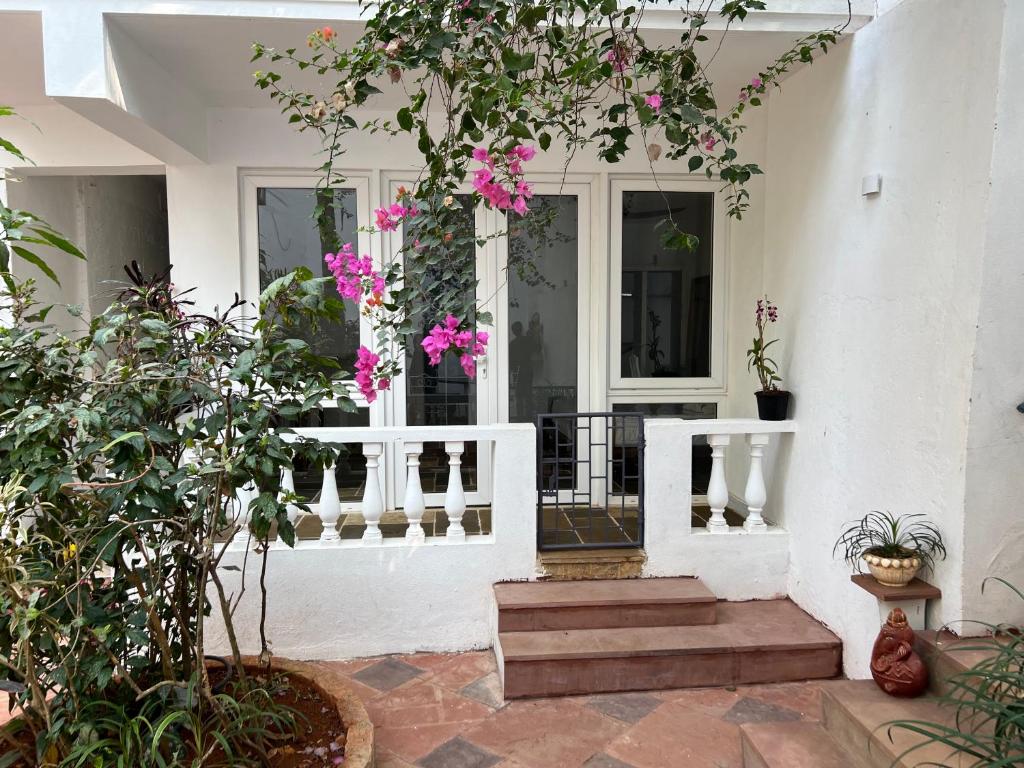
(414, 505)
(288, 488)
(330, 507)
(243, 515)
(718, 491)
(455, 496)
(755, 494)
(373, 502)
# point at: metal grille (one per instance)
(590, 487)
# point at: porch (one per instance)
(403, 569)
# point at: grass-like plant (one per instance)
(988, 699)
(894, 536)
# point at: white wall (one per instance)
(994, 525)
(112, 219)
(880, 294)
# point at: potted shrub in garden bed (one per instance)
(772, 402)
(894, 547)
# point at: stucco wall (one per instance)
(112, 219)
(993, 522)
(881, 293)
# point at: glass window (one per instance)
(442, 395)
(666, 292)
(290, 238)
(543, 270)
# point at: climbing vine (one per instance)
(484, 85)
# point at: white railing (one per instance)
(408, 445)
(668, 471)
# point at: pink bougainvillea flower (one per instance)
(523, 152)
(481, 155)
(756, 82)
(654, 102)
(468, 365)
(366, 363)
(519, 205)
(708, 140)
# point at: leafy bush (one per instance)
(127, 447)
(988, 699)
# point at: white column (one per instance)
(455, 497)
(330, 507)
(414, 504)
(373, 502)
(288, 487)
(755, 494)
(243, 495)
(718, 491)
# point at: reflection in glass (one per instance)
(442, 395)
(701, 460)
(542, 309)
(666, 292)
(289, 238)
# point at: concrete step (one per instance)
(552, 605)
(857, 714)
(791, 745)
(769, 641)
(947, 655)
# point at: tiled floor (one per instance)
(445, 711)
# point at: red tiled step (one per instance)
(757, 642)
(555, 605)
(857, 714)
(791, 745)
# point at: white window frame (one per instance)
(581, 191)
(707, 385)
(395, 398)
(251, 182)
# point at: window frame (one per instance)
(715, 383)
(251, 182)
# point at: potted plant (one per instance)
(894, 547)
(772, 402)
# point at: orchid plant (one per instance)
(757, 357)
(484, 86)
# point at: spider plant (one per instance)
(894, 536)
(988, 698)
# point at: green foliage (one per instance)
(569, 76)
(22, 232)
(988, 731)
(892, 536)
(127, 447)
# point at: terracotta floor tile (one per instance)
(459, 753)
(423, 703)
(546, 733)
(417, 741)
(462, 669)
(804, 698)
(753, 710)
(385, 759)
(486, 690)
(712, 701)
(684, 736)
(387, 674)
(348, 667)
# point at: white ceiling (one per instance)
(211, 55)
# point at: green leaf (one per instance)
(405, 119)
(31, 258)
(695, 162)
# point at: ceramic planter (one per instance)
(892, 572)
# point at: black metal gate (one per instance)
(590, 484)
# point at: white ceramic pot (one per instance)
(893, 572)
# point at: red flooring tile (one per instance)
(696, 727)
(675, 734)
(546, 733)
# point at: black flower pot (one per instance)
(772, 405)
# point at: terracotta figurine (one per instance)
(894, 665)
